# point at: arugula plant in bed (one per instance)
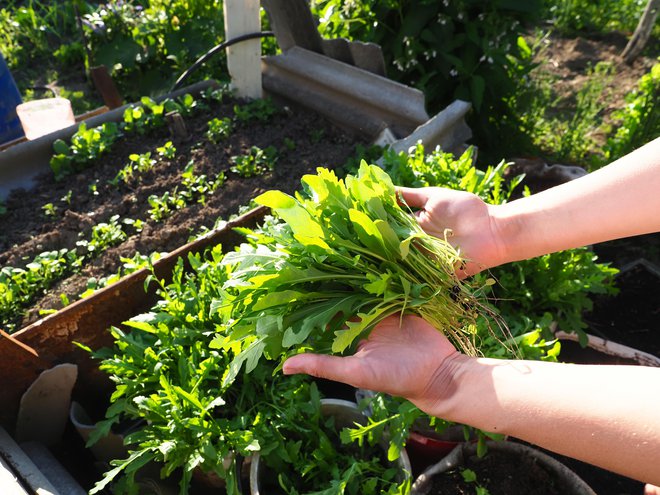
(169, 378)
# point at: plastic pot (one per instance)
(41, 117)
(346, 414)
(567, 482)
(427, 446)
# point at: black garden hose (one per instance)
(45, 89)
(218, 48)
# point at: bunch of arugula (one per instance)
(530, 294)
(347, 250)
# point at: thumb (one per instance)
(414, 197)
(336, 368)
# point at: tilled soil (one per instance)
(304, 141)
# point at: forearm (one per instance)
(580, 411)
(620, 200)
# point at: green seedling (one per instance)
(219, 129)
(85, 148)
(316, 135)
(261, 110)
(67, 197)
(49, 209)
(167, 151)
(256, 162)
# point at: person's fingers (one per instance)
(651, 490)
(336, 368)
(414, 197)
(361, 344)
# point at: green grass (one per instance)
(563, 127)
(595, 16)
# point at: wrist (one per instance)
(444, 391)
(505, 229)
(464, 391)
(510, 223)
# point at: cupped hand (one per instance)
(405, 357)
(464, 219)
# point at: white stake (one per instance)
(244, 58)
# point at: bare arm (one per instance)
(608, 416)
(619, 200)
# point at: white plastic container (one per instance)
(41, 117)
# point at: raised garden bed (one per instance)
(79, 203)
(57, 215)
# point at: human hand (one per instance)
(469, 219)
(405, 357)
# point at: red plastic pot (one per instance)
(428, 447)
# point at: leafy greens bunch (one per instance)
(169, 380)
(346, 249)
(167, 377)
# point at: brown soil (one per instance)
(568, 62)
(501, 474)
(26, 232)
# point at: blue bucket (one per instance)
(10, 125)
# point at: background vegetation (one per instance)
(487, 52)
(145, 44)
(490, 53)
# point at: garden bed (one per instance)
(57, 215)
(142, 215)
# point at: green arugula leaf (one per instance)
(299, 219)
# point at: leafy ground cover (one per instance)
(145, 45)
(579, 104)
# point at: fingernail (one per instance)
(289, 368)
